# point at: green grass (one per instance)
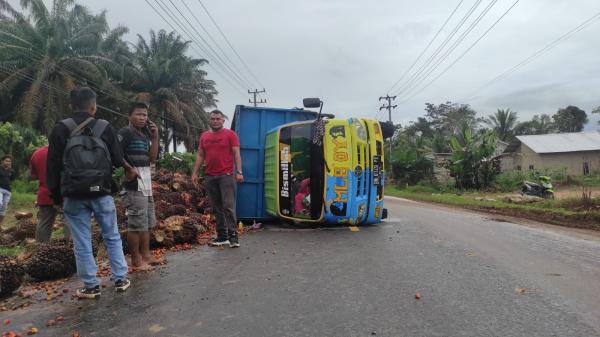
(467, 199)
(11, 251)
(19, 202)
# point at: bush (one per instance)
(430, 187)
(510, 180)
(20, 142)
(411, 166)
(23, 185)
(178, 162)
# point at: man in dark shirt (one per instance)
(6, 176)
(78, 209)
(139, 142)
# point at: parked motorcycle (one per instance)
(542, 189)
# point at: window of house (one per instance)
(531, 167)
(586, 169)
(519, 167)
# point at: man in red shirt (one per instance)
(219, 148)
(46, 210)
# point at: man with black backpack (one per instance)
(81, 156)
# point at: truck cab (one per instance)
(325, 171)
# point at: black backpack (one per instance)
(87, 168)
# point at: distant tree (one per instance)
(570, 119)
(539, 125)
(503, 122)
(438, 142)
(422, 126)
(472, 163)
(412, 160)
(595, 111)
(174, 85)
(450, 116)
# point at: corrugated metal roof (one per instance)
(562, 142)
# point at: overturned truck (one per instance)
(306, 167)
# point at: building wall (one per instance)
(573, 162)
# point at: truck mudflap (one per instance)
(384, 214)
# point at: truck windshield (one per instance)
(297, 168)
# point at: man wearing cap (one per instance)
(139, 142)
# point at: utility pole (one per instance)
(256, 92)
(389, 108)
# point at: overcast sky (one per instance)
(350, 52)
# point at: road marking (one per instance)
(354, 229)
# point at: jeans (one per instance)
(78, 213)
(221, 194)
(4, 200)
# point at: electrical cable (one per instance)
(426, 47)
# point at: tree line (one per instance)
(47, 51)
(468, 141)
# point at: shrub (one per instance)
(178, 162)
(23, 185)
(510, 180)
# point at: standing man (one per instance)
(81, 156)
(6, 176)
(139, 142)
(219, 148)
(46, 210)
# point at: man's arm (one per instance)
(197, 165)
(116, 153)
(33, 172)
(239, 177)
(153, 141)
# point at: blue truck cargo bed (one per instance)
(251, 125)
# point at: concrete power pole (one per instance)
(256, 92)
(389, 108)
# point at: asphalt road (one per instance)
(477, 277)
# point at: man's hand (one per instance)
(153, 129)
(131, 173)
(195, 179)
(239, 178)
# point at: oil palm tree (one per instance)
(46, 53)
(173, 84)
(503, 122)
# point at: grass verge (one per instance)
(19, 202)
(550, 211)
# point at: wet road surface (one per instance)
(477, 277)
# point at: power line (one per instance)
(426, 47)
(201, 46)
(214, 67)
(447, 53)
(538, 53)
(465, 52)
(229, 44)
(439, 48)
(216, 55)
(216, 43)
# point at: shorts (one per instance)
(139, 209)
(4, 199)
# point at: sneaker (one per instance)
(89, 293)
(234, 242)
(218, 242)
(122, 285)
